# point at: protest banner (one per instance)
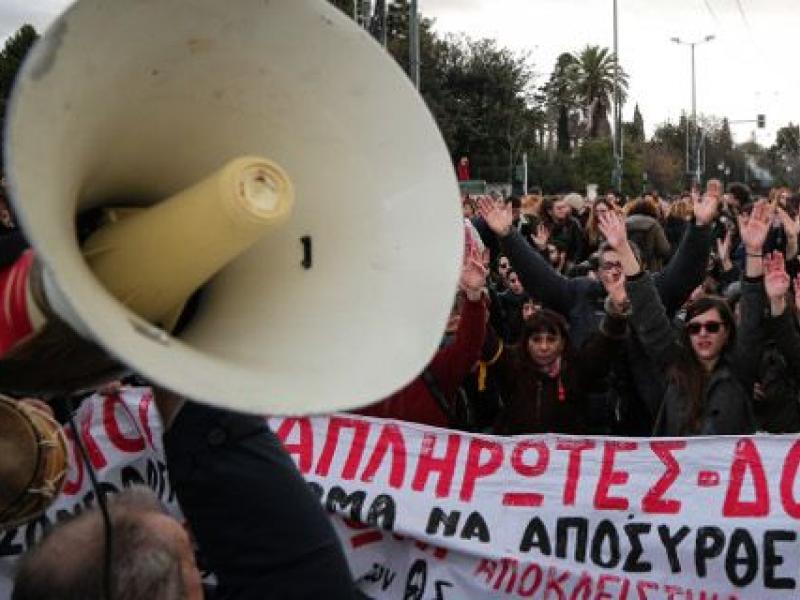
(429, 513)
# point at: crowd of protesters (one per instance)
(645, 317)
(638, 318)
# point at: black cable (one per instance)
(99, 494)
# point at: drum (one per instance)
(33, 461)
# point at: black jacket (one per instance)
(261, 530)
(727, 407)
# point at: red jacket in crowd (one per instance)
(449, 367)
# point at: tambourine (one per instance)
(33, 462)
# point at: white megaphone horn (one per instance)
(338, 304)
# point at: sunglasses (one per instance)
(709, 326)
(611, 265)
(504, 265)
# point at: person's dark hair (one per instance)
(68, 564)
(514, 201)
(687, 371)
(741, 192)
(643, 207)
(545, 321)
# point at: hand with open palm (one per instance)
(498, 218)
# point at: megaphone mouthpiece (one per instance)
(153, 259)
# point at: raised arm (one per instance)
(687, 269)
(648, 317)
(454, 362)
(537, 277)
(780, 325)
(750, 337)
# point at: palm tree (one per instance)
(596, 68)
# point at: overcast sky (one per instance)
(751, 67)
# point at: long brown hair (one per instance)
(592, 228)
(687, 371)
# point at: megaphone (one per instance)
(132, 102)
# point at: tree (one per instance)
(787, 141)
(560, 98)
(637, 127)
(594, 162)
(664, 167)
(346, 6)
(480, 94)
(596, 69)
(11, 57)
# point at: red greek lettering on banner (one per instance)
(96, 456)
(575, 449)
(444, 466)
(654, 501)
(746, 460)
(356, 451)
(390, 438)
(528, 499)
(304, 448)
(788, 478)
(610, 477)
(475, 469)
(144, 410)
(112, 406)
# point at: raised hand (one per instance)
(498, 218)
(776, 280)
(542, 236)
(612, 227)
(754, 228)
(790, 226)
(705, 208)
(473, 273)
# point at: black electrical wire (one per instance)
(101, 500)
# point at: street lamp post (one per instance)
(695, 149)
(617, 139)
(413, 42)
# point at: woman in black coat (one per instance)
(709, 370)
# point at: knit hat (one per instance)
(576, 201)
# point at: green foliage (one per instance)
(595, 76)
(594, 162)
(11, 57)
(481, 95)
(787, 141)
(637, 127)
(346, 6)
(560, 99)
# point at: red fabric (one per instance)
(15, 323)
(463, 171)
(449, 366)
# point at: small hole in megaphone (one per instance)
(307, 248)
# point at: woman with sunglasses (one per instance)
(710, 368)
